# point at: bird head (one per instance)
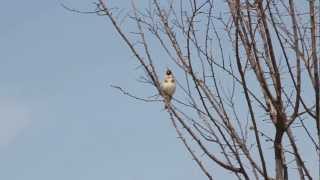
(168, 72)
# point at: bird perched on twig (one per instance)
(168, 87)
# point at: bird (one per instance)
(168, 87)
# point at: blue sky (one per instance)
(59, 117)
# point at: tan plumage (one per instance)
(168, 87)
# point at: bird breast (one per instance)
(169, 86)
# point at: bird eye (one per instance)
(168, 72)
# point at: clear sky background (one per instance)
(59, 117)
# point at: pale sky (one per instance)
(59, 117)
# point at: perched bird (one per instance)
(168, 87)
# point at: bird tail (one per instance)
(167, 100)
